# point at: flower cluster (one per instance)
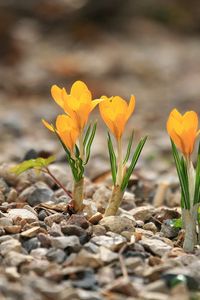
(76, 139)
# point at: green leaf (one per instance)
(89, 143)
(197, 180)
(183, 177)
(77, 152)
(32, 163)
(128, 152)
(177, 279)
(113, 161)
(134, 160)
(176, 223)
(86, 135)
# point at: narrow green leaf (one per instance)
(183, 177)
(77, 152)
(113, 161)
(87, 135)
(26, 165)
(197, 180)
(134, 160)
(128, 152)
(89, 143)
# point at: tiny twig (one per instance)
(122, 263)
(47, 171)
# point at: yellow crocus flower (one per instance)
(115, 112)
(66, 128)
(78, 104)
(183, 130)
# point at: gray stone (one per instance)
(118, 224)
(107, 256)
(31, 244)
(39, 253)
(44, 240)
(78, 220)
(5, 221)
(78, 231)
(4, 188)
(142, 213)
(15, 259)
(54, 218)
(36, 194)
(113, 242)
(168, 230)
(98, 230)
(55, 230)
(56, 255)
(12, 195)
(150, 226)
(123, 286)
(155, 245)
(66, 242)
(88, 259)
(10, 245)
(23, 214)
(42, 215)
(128, 202)
(101, 197)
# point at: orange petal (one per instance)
(190, 120)
(176, 115)
(131, 107)
(105, 116)
(79, 88)
(56, 93)
(47, 125)
(95, 103)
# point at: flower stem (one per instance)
(47, 171)
(189, 216)
(189, 219)
(114, 202)
(78, 195)
(120, 163)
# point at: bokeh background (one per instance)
(149, 48)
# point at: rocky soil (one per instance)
(48, 254)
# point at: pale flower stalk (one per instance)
(115, 112)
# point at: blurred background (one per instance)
(149, 48)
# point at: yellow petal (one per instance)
(105, 116)
(176, 115)
(47, 125)
(190, 120)
(56, 93)
(95, 103)
(183, 130)
(115, 112)
(65, 123)
(78, 89)
(69, 138)
(131, 107)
